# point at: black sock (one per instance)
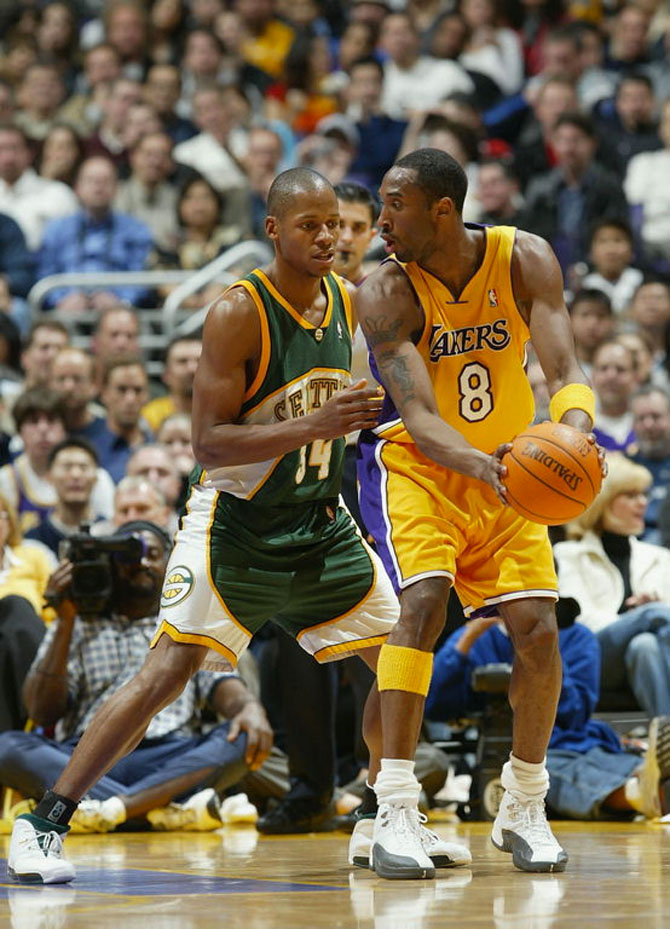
(56, 809)
(368, 806)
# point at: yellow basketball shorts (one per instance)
(428, 521)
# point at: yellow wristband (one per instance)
(572, 397)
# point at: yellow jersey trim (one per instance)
(292, 311)
(344, 648)
(346, 302)
(265, 337)
(191, 638)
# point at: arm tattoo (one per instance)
(379, 329)
(395, 367)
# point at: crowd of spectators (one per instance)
(137, 134)
(140, 134)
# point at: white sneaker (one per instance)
(397, 849)
(521, 828)
(200, 813)
(653, 778)
(97, 816)
(238, 809)
(442, 854)
(37, 857)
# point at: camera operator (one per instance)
(83, 660)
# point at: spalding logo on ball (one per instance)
(553, 473)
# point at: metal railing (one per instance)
(240, 258)
(101, 279)
(157, 325)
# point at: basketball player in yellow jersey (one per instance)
(448, 320)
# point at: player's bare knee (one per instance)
(536, 644)
(423, 613)
(166, 671)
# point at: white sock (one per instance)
(396, 782)
(525, 779)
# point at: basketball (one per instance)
(553, 473)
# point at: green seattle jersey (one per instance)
(301, 367)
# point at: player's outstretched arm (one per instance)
(391, 320)
(230, 357)
(538, 290)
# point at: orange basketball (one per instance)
(553, 473)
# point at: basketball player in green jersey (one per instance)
(263, 536)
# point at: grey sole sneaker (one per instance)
(442, 854)
(398, 867)
(522, 855)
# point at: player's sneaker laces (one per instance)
(200, 813)
(443, 854)
(521, 828)
(97, 816)
(37, 857)
(397, 847)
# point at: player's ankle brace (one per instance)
(54, 808)
(403, 668)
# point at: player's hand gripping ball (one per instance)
(553, 473)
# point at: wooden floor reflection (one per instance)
(618, 876)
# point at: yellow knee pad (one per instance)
(403, 668)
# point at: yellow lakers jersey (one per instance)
(474, 349)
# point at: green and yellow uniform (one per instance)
(270, 540)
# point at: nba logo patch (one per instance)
(339, 330)
(493, 297)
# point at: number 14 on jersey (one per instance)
(319, 457)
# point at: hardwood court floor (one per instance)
(618, 876)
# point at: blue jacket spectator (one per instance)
(17, 273)
(450, 694)
(94, 239)
(562, 204)
(16, 263)
(591, 775)
(379, 135)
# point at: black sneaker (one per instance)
(297, 814)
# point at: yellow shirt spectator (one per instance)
(24, 571)
(269, 49)
(155, 411)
